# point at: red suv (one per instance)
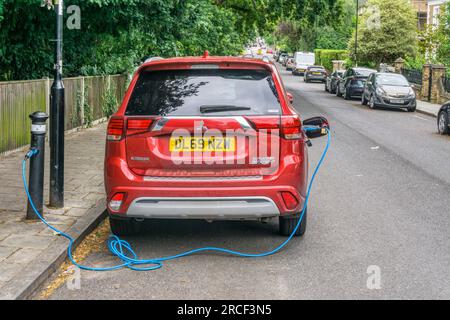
(212, 138)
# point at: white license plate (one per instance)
(397, 101)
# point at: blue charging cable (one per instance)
(123, 250)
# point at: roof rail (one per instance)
(151, 59)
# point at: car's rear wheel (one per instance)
(364, 101)
(372, 104)
(332, 90)
(347, 95)
(338, 92)
(443, 123)
(124, 227)
(288, 224)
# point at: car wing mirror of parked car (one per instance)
(316, 127)
(290, 97)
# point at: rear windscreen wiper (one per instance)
(222, 108)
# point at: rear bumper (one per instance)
(299, 72)
(315, 78)
(183, 196)
(223, 208)
(229, 198)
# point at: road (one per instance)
(382, 199)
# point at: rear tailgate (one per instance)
(169, 133)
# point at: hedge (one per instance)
(324, 57)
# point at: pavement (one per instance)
(378, 215)
(29, 251)
(431, 109)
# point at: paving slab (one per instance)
(29, 251)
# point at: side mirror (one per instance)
(316, 127)
(290, 97)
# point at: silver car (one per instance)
(388, 90)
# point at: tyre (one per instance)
(347, 96)
(332, 90)
(288, 224)
(338, 92)
(124, 227)
(443, 123)
(372, 104)
(364, 100)
(413, 109)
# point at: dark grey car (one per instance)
(388, 90)
(352, 82)
(444, 119)
(332, 80)
(315, 73)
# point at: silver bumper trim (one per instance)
(237, 178)
(222, 208)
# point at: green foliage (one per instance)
(325, 57)
(391, 36)
(110, 103)
(314, 24)
(116, 35)
(416, 62)
(88, 111)
(435, 44)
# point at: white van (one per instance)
(302, 61)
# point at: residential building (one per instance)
(434, 8)
(420, 6)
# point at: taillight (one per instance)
(265, 123)
(116, 201)
(289, 200)
(138, 125)
(291, 127)
(115, 129)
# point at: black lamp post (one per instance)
(57, 117)
(356, 34)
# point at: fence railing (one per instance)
(413, 76)
(86, 99)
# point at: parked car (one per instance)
(180, 118)
(352, 82)
(285, 60)
(332, 79)
(444, 119)
(315, 73)
(388, 90)
(302, 61)
(277, 55)
(290, 64)
(282, 57)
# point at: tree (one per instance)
(435, 44)
(387, 31)
(116, 35)
(308, 24)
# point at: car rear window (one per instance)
(364, 72)
(184, 92)
(316, 69)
